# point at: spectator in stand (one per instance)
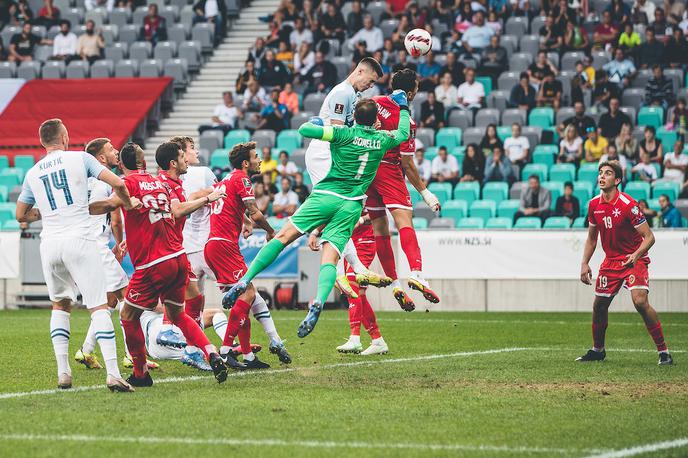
(567, 205)
(563, 14)
(446, 93)
(517, 147)
(620, 12)
(360, 53)
(257, 52)
(299, 188)
(48, 16)
(432, 113)
(523, 94)
(611, 121)
(476, 38)
(494, 22)
(3, 51)
(660, 25)
(23, 44)
(604, 90)
(551, 37)
(651, 52)
(445, 167)
(289, 98)
(535, 200)
(595, 146)
(669, 215)
(285, 167)
(620, 70)
(213, 12)
(268, 181)
(495, 59)
(575, 38)
(643, 12)
(473, 164)
(429, 72)
(354, 20)
(605, 33)
(268, 166)
(649, 213)
(539, 69)
(255, 97)
(490, 140)
(522, 8)
(249, 73)
(300, 35)
(275, 115)
(629, 39)
(225, 116)
(90, 45)
(383, 83)
(455, 68)
(423, 165)
(154, 26)
(19, 12)
(676, 51)
(262, 197)
(651, 145)
(580, 120)
(471, 93)
(613, 155)
(65, 44)
(286, 201)
(371, 34)
(679, 120)
(676, 163)
(626, 144)
(549, 94)
(464, 20)
(403, 61)
(570, 146)
(644, 170)
(285, 55)
(499, 7)
(272, 72)
(498, 167)
(93, 4)
(322, 77)
(332, 24)
(589, 72)
(304, 60)
(659, 91)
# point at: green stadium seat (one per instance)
(459, 152)
(484, 209)
(578, 222)
(456, 209)
(420, 223)
(468, 191)
(289, 140)
(6, 214)
(557, 222)
(24, 162)
(9, 181)
(307, 178)
(470, 223)
(638, 190)
(667, 137)
(654, 204)
(19, 173)
(583, 190)
(448, 137)
(4, 162)
(499, 223)
(508, 208)
(588, 172)
(430, 153)
(503, 132)
(219, 158)
(528, 222)
(10, 226)
(415, 195)
(556, 189)
(543, 157)
(486, 81)
(534, 169)
(236, 136)
(541, 117)
(496, 191)
(651, 116)
(562, 172)
(4, 193)
(443, 191)
(670, 188)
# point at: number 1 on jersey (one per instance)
(59, 181)
(364, 162)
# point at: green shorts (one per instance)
(339, 215)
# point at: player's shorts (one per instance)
(72, 265)
(226, 261)
(388, 191)
(318, 160)
(165, 282)
(151, 323)
(339, 215)
(115, 277)
(199, 267)
(613, 276)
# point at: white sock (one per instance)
(340, 268)
(89, 344)
(220, 324)
(249, 356)
(598, 350)
(351, 255)
(59, 334)
(262, 314)
(355, 339)
(105, 335)
(396, 284)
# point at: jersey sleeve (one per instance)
(241, 185)
(635, 216)
(209, 178)
(408, 148)
(93, 167)
(26, 194)
(338, 106)
(591, 219)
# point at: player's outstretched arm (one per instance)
(181, 209)
(411, 172)
(325, 133)
(400, 135)
(118, 187)
(648, 240)
(109, 205)
(258, 218)
(588, 250)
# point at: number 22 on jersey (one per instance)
(158, 205)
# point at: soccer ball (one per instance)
(418, 42)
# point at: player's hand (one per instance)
(134, 204)
(431, 200)
(247, 230)
(316, 121)
(216, 195)
(399, 97)
(313, 242)
(630, 260)
(586, 274)
(269, 236)
(377, 124)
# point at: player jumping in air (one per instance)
(336, 201)
(626, 239)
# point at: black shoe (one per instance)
(281, 351)
(231, 361)
(665, 359)
(256, 364)
(138, 382)
(592, 355)
(218, 366)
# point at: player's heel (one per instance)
(427, 293)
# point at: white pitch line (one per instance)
(640, 449)
(285, 443)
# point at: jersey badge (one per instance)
(616, 213)
(339, 108)
(631, 279)
(635, 210)
(247, 182)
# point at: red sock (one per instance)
(409, 243)
(136, 343)
(598, 332)
(368, 318)
(383, 246)
(193, 333)
(658, 336)
(194, 307)
(245, 335)
(355, 311)
(239, 311)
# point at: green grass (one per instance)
(521, 403)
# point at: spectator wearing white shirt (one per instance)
(445, 167)
(446, 92)
(285, 167)
(304, 59)
(65, 44)
(471, 93)
(676, 163)
(370, 34)
(225, 115)
(286, 201)
(93, 4)
(517, 147)
(646, 170)
(477, 37)
(300, 35)
(255, 97)
(423, 165)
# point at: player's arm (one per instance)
(400, 135)
(181, 209)
(201, 193)
(117, 226)
(119, 189)
(247, 227)
(588, 251)
(411, 172)
(25, 213)
(324, 133)
(258, 218)
(648, 240)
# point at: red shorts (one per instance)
(365, 247)
(165, 282)
(613, 276)
(192, 275)
(388, 190)
(225, 260)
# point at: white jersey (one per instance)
(340, 104)
(58, 186)
(197, 227)
(100, 224)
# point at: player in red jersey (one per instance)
(222, 252)
(158, 257)
(388, 191)
(626, 239)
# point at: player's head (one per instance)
(131, 158)
(244, 157)
(53, 134)
(610, 175)
(103, 151)
(169, 156)
(366, 73)
(365, 112)
(406, 80)
(189, 147)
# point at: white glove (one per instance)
(430, 199)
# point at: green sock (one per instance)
(264, 258)
(326, 279)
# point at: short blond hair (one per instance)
(182, 141)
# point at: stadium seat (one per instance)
(442, 223)
(556, 189)
(77, 69)
(177, 33)
(557, 222)
(651, 116)
(507, 80)
(633, 97)
(498, 99)
(471, 223)
(667, 137)
(205, 33)
(10, 226)
(543, 117)
(487, 116)
(528, 222)
(562, 172)
(583, 190)
(534, 169)
(443, 191)
(4, 162)
(496, 191)
(510, 43)
(467, 191)
(638, 190)
(263, 138)
(8, 69)
(519, 62)
(578, 223)
(517, 26)
(588, 172)
(420, 223)
(456, 209)
(289, 140)
(102, 69)
(512, 115)
(4, 193)
(486, 81)
(313, 102)
(219, 158)
(54, 69)
(473, 135)
(165, 50)
(448, 137)
(415, 195)
(503, 132)
(236, 136)
(140, 51)
(120, 17)
(499, 223)
(426, 136)
(24, 162)
(568, 61)
(126, 69)
(508, 208)
(484, 209)
(530, 44)
(670, 188)
(116, 52)
(375, 9)
(459, 152)
(543, 156)
(210, 140)
(179, 70)
(430, 153)
(6, 214)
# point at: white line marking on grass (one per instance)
(640, 449)
(285, 443)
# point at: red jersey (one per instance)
(151, 232)
(388, 115)
(363, 232)
(616, 222)
(227, 215)
(176, 192)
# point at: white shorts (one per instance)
(115, 277)
(198, 265)
(151, 323)
(318, 160)
(71, 265)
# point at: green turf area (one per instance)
(439, 392)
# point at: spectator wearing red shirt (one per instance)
(49, 15)
(606, 32)
(154, 26)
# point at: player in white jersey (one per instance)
(58, 186)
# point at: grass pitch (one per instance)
(454, 384)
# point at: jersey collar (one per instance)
(166, 175)
(611, 202)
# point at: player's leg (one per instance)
(353, 343)
(136, 341)
(262, 314)
(364, 275)
(639, 295)
(600, 312)
(378, 346)
(326, 280)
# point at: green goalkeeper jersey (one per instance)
(356, 155)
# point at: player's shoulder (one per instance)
(595, 201)
(626, 200)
